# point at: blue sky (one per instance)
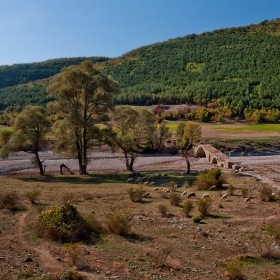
(37, 30)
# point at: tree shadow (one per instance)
(138, 238)
(93, 179)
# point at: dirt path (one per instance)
(43, 257)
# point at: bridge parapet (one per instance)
(212, 155)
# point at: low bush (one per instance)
(135, 194)
(160, 257)
(196, 219)
(172, 184)
(63, 223)
(10, 201)
(266, 193)
(265, 242)
(163, 210)
(94, 224)
(187, 208)
(208, 179)
(68, 197)
(71, 275)
(234, 270)
(186, 185)
(87, 196)
(32, 195)
(244, 192)
(220, 205)
(273, 230)
(74, 252)
(175, 198)
(231, 189)
(118, 221)
(204, 206)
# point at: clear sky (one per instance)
(37, 30)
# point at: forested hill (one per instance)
(30, 72)
(239, 67)
(23, 84)
(236, 67)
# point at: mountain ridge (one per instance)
(236, 67)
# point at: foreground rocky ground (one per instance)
(171, 247)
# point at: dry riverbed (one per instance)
(266, 168)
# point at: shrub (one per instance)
(231, 189)
(118, 221)
(135, 195)
(265, 243)
(244, 192)
(196, 219)
(68, 197)
(172, 184)
(234, 270)
(274, 231)
(204, 206)
(175, 199)
(163, 210)
(210, 178)
(72, 275)
(187, 208)
(87, 196)
(186, 185)
(63, 223)
(220, 205)
(32, 195)
(161, 256)
(10, 201)
(266, 193)
(94, 224)
(74, 252)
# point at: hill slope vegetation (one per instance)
(236, 68)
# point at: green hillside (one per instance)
(21, 84)
(235, 67)
(238, 67)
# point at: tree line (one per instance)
(235, 68)
(82, 117)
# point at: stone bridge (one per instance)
(213, 155)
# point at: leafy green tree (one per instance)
(133, 131)
(84, 97)
(29, 134)
(188, 134)
(161, 134)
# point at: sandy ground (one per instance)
(265, 168)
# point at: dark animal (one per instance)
(191, 195)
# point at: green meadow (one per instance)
(254, 127)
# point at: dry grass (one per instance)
(141, 252)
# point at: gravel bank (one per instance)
(266, 168)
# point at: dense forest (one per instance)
(233, 68)
(21, 84)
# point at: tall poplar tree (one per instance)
(84, 95)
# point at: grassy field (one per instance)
(233, 127)
(255, 127)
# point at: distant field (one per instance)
(234, 127)
(2, 127)
(256, 127)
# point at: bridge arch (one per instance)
(214, 160)
(200, 152)
(212, 155)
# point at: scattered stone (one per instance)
(28, 259)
